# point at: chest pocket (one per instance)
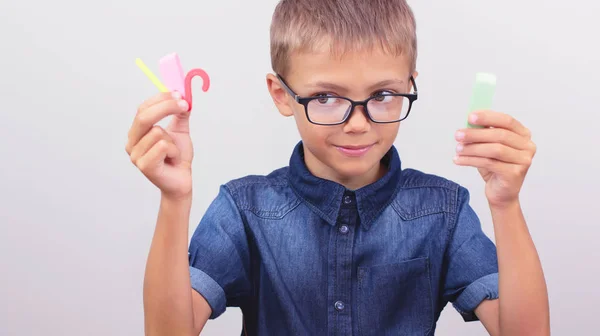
(395, 299)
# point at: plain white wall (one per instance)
(76, 218)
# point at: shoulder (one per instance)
(420, 193)
(413, 178)
(265, 195)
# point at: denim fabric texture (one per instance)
(301, 255)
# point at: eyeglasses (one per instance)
(328, 110)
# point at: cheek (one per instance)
(312, 134)
(388, 132)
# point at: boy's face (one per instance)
(349, 153)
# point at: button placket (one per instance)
(343, 240)
(347, 199)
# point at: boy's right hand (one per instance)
(164, 156)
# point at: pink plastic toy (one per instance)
(173, 75)
(188, 84)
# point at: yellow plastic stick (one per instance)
(151, 76)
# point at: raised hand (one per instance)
(502, 151)
(164, 156)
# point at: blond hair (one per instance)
(343, 26)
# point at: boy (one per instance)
(343, 241)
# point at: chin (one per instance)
(354, 167)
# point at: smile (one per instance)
(354, 151)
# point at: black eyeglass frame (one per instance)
(412, 97)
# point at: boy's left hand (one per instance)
(502, 152)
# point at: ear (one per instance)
(280, 96)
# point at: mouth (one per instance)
(354, 150)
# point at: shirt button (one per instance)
(347, 199)
(344, 229)
(339, 305)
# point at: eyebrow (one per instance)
(336, 87)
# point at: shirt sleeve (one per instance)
(219, 255)
(471, 262)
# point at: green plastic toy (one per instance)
(483, 94)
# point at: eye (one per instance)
(325, 98)
(383, 93)
(383, 96)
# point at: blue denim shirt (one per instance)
(301, 255)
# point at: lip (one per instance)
(354, 150)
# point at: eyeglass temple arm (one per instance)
(414, 84)
(288, 89)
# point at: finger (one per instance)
(155, 157)
(156, 99)
(494, 151)
(150, 139)
(162, 96)
(180, 123)
(482, 162)
(487, 118)
(492, 135)
(144, 121)
(495, 166)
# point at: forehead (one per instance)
(370, 65)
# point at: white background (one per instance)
(76, 218)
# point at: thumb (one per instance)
(180, 123)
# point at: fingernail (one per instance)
(473, 118)
(176, 95)
(455, 159)
(460, 135)
(459, 148)
(183, 104)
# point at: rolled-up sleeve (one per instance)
(471, 262)
(219, 255)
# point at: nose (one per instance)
(358, 121)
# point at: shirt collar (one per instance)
(325, 196)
